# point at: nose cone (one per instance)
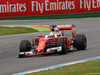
(39, 51)
(40, 47)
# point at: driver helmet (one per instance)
(56, 30)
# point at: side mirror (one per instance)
(39, 35)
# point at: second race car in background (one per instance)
(53, 42)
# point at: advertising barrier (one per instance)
(10, 8)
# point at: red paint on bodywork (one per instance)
(42, 42)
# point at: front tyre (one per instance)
(25, 46)
(80, 42)
(62, 42)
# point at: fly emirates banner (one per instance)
(10, 8)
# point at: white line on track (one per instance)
(57, 66)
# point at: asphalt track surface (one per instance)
(9, 46)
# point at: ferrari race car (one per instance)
(53, 42)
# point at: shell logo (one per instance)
(41, 43)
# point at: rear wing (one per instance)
(65, 27)
(68, 27)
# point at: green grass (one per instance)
(57, 16)
(76, 69)
(30, 27)
(15, 30)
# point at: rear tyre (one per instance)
(62, 42)
(80, 42)
(25, 46)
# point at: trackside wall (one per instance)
(10, 8)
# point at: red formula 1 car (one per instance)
(55, 41)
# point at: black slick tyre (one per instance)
(62, 42)
(80, 42)
(25, 45)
